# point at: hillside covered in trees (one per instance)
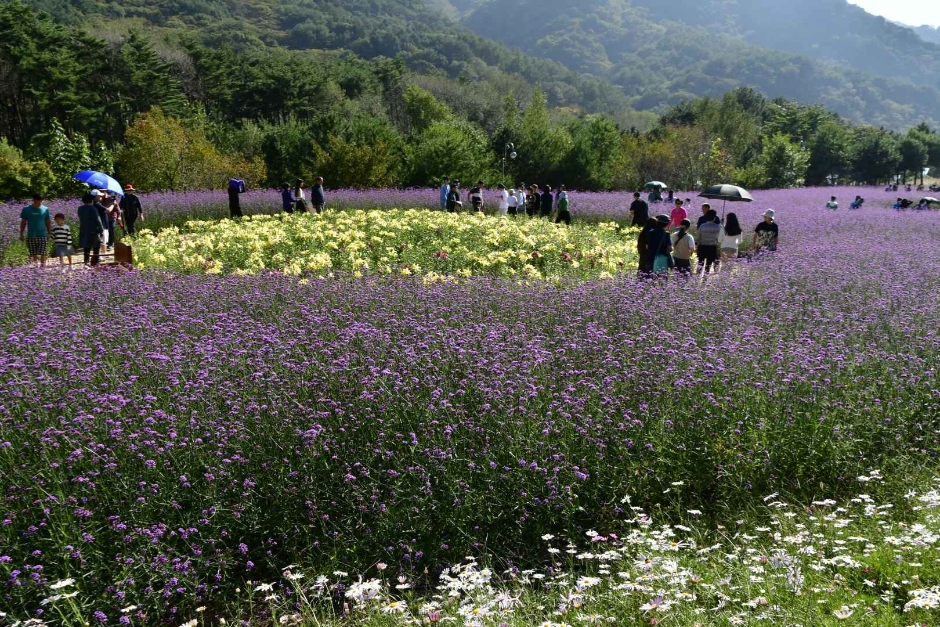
(665, 51)
(173, 97)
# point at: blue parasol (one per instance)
(99, 180)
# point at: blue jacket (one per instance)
(316, 195)
(287, 196)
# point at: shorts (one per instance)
(63, 250)
(38, 246)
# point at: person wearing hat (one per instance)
(659, 246)
(35, 226)
(767, 233)
(503, 205)
(453, 197)
(445, 190)
(132, 210)
(513, 204)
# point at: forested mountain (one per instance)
(664, 51)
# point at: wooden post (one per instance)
(123, 254)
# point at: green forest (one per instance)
(173, 95)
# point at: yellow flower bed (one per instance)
(384, 242)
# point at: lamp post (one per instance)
(508, 153)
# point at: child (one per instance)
(62, 237)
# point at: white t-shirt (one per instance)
(503, 202)
(832, 205)
(520, 199)
(513, 202)
(728, 242)
(682, 249)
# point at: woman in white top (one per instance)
(513, 203)
(503, 207)
(520, 199)
(730, 237)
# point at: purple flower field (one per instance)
(164, 439)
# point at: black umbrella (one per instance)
(727, 193)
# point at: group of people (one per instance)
(100, 214)
(542, 201)
(665, 243)
(294, 199)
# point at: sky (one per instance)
(912, 12)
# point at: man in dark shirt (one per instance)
(317, 197)
(131, 209)
(548, 202)
(453, 197)
(704, 218)
(640, 211)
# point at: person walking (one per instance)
(90, 230)
(301, 204)
(642, 248)
(533, 202)
(103, 217)
(503, 204)
(513, 202)
(678, 214)
(659, 249)
(767, 233)
(729, 240)
(62, 239)
(318, 196)
(288, 202)
(236, 187)
(563, 214)
(683, 247)
(639, 211)
(476, 198)
(547, 203)
(35, 226)
(708, 235)
(453, 198)
(444, 191)
(520, 199)
(131, 210)
(109, 202)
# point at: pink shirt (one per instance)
(678, 215)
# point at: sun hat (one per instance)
(129, 188)
(663, 219)
(770, 213)
(95, 193)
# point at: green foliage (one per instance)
(828, 155)
(542, 146)
(19, 178)
(783, 162)
(456, 150)
(874, 156)
(914, 155)
(163, 154)
(67, 155)
(665, 51)
(422, 109)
